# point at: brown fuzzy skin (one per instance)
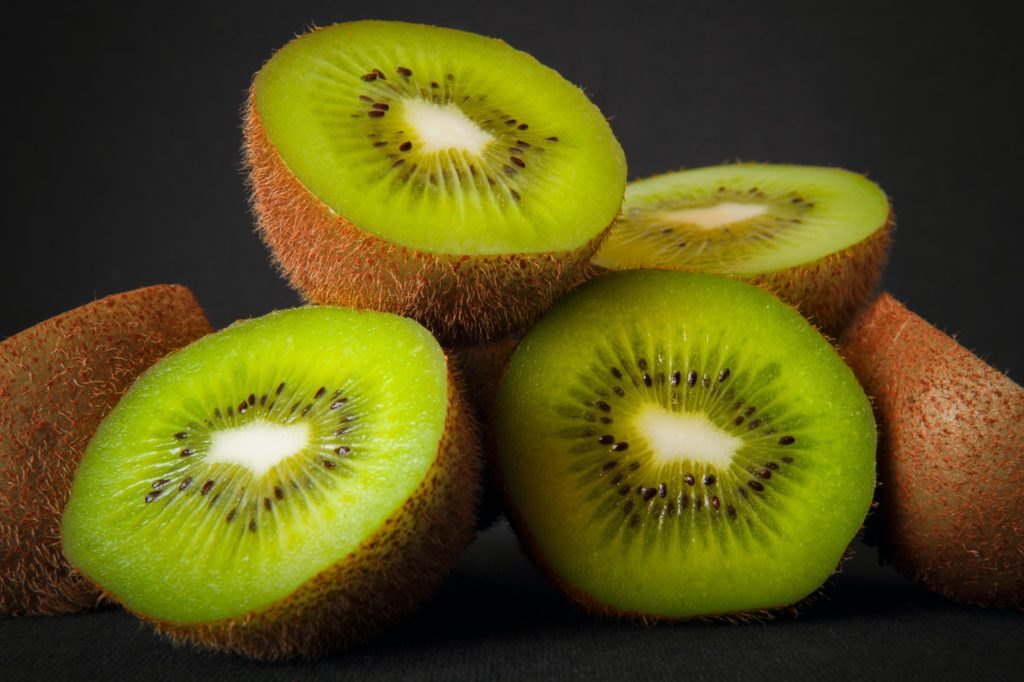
(375, 586)
(951, 457)
(832, 290)
(58, 380)
(483, 366)
(462, 299)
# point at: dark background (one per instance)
(123, 169)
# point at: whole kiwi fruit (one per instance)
(58, 380)
(951, 457)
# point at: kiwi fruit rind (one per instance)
(287, 486)
(951, 457)
(816, 237)
(428, 172)
(58, 379)
(679, 445)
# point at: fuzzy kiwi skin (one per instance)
(831, 291)
(58, 380)
(377, 585)
(951, 457)
(461, 299)
(482, 366)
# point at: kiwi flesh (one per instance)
(951, 457)
(678, 445)
(816, 237)
(428, 172)
(58, 380)
(287, 486)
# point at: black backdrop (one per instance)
(123, 169)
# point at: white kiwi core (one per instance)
(442, 127)
(714, 217)
(258, 445)
(684, 436)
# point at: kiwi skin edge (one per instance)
(461, 299)
(951, 457)
(375, 586)
(58, 380)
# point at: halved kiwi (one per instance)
(58, 379)
(951, 457)
(677, 445)
(283, 487)
(428, 172)
(816, 237)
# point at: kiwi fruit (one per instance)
(428, 172)
(58, 379)
(816, 237)
(951, 457)
(284, 487)
(678, 445)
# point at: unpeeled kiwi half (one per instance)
(678, 445)
(58, 380)
(428, 172)
(817, 237)
(281, 488)
(951, 457)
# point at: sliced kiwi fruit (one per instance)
(951, 457)
(816, 237)
(58, 379)
(286, 486)
(428, 172)
(678, 445)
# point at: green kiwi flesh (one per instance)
(676, 445)
(440, 140)
(229, 494)
(817, 237)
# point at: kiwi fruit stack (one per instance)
(284, 487)
(816, 237)
(951, 457)
(428, 172)
(664, 438)
(58, 380)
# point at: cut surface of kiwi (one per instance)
(58, 380)
(431, 168)
(676, 445)
(817, 236)
(950, 458)
(281, 487)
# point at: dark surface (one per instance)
(123, 169)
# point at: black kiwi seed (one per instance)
(153, 495)
(606, 439)
(676, 377)
(616, 373)
(690, 480)
(403, 71)
(715, 502)
(611, 464)
(691, 378)
(231, 515)
(764, 474)
(278, 493)
(160, 483)
(618, 391)
(185, 483)
(181, 435)
(787, 440)
(662, 490)
(709, 479)
(187, 452)
(603, 406)
(267, 504)
(755, 485)
(772, 465)
(619, 447)
(206, 487)
(628, 507)
(320, 393)
(648, 494)
(342, 450)
(724, 374)
(252, 526)
(624, 490)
